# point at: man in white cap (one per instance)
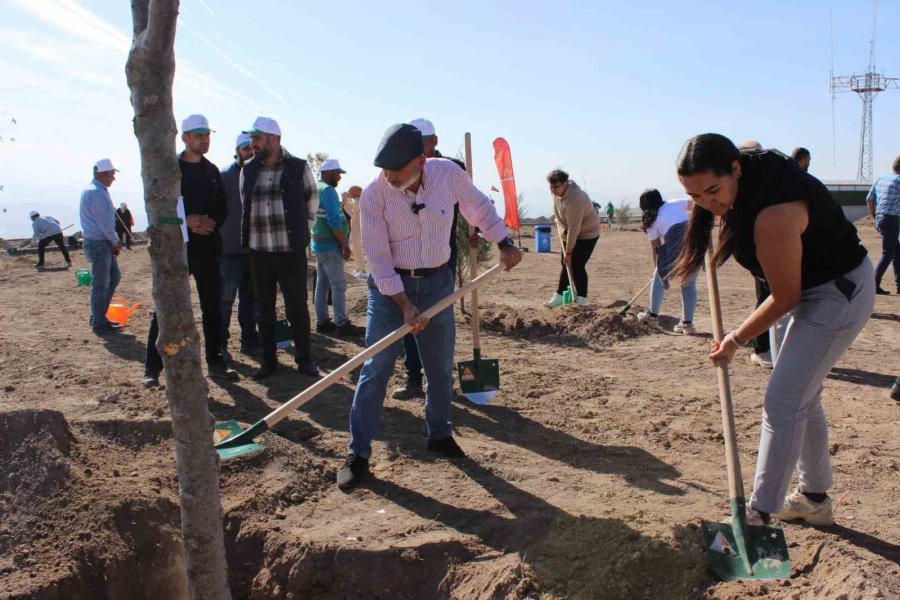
(331, 246)
(46, 230)
(124, 223)
(412, 386)
(101, 244)
(234, 265)
(410, 274)
(205, 208)
(280, 197)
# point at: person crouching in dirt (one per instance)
(782, 224)
(665, 224)
(576, 217)
(410, 273)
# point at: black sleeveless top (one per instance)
(831, 246)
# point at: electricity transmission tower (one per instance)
(868, 85)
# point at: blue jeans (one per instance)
(236, 281)
(889, 227)
(436, 344)
(105, 277)
(330, 275)
(411, 360)
(688, 296)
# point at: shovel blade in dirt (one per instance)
(229, 442)
(479, 379)
(739, 551)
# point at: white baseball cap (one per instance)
(332, 164)
(423, 125)
(242, 140)
(195, 123)
(264, 125)
(34, 214)
(103, 165)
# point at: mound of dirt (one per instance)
(569, 325)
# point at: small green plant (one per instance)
(623, 213)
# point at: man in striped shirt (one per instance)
(406, 216)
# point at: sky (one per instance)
(606, 91)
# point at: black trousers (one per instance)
(581, 253)
(287, 270)
(124, 236)
(206, 275)
(60, 242)
(761, 343)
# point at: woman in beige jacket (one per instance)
(577, 219)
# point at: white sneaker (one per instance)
(685, 328)
(581, 300)
(798, 506)
(555, 301)
(763, 359)
(648, 319)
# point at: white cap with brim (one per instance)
(195, 124)
(264, 125)
(423, 125)
(332, 164)
(242, 140)
(104, 165)
(34, 214)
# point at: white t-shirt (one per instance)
(671, 213)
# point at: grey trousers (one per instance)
(794, 430)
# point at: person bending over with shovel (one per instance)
(782, 225)
(665, 224)
(406, 216)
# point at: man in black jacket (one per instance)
(205, 207)
(280, 198)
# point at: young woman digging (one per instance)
(782, 225)
(665, 224)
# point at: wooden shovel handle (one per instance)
(562, 244)
(732, 458)
(318, 387)
(473, 259)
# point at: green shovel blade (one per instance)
(224, 432)
(739, 551)
(479, 379)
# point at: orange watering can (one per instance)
(119, 311)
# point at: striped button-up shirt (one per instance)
(394, 237)
(98, 215)
(886, 195)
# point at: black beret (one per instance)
(400, 144)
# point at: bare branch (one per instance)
(139, 12)
(161, 26)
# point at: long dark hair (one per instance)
(713, 153)
(650, 202)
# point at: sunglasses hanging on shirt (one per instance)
(417, 207)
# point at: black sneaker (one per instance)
(409, 390)
(325, 327)
(895, 390)
(881, 291)
(150, 380)
(446, 446)
(264, 371)
(353, 471)
(107, 327)
(220, 370)
(308, 367)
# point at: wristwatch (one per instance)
(507, 242)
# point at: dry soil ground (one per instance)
(586, 478)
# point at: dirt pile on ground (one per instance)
(570, 325)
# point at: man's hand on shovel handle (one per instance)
(724, 351)
(510, 256)
(412, 316)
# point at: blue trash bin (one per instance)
(542, 238)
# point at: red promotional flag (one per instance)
(503, 158)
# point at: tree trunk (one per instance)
(150, 70)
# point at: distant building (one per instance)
(851, 195)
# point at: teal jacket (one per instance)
(329, 218)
